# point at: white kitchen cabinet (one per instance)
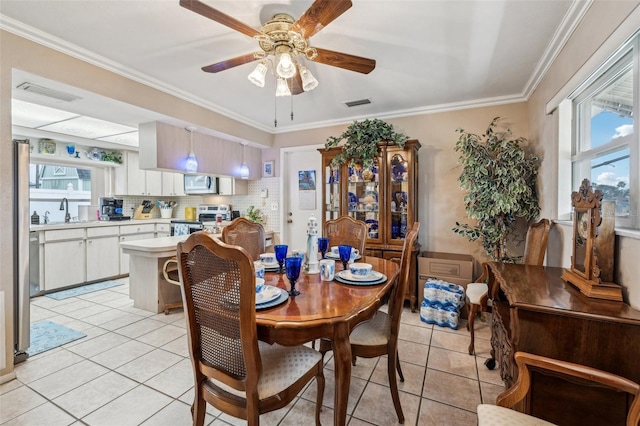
(231, 186)
(131, 180)
(103, 253)
(64, 263)
(163, 230)
(172, 184)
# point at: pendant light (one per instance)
(244, 169)
(191, 165)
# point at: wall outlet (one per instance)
(274, 206)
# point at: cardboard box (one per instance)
(450, 267)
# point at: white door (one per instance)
(300, 202)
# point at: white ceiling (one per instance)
(431, 54)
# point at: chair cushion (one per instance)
(493, 415)
(475, 291)
(374, 332)
(281, 367)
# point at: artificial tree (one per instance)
(499, 178)
(361, 141)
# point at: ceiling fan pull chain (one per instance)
(275, 112)
(291, 108)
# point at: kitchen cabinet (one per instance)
(131, 180)
(163, 230)
(64, 258)
(384, 197)
(103, 253)
(172, 184)
(231, 186)
(133, 233)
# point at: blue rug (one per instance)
(47, 335)
(89, 288)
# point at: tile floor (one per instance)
(133, 369)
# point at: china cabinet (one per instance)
(383, 196)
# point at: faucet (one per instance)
(46, 217)
(64, 205)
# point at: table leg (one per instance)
(342, 364)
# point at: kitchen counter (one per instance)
(95, 223)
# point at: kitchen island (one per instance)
(147, 286)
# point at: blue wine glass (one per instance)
(323, 245)
(293, 265)
(345, 255)
(281, 254)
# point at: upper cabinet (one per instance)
(383, 196)
(165, 147)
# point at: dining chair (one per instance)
(477, 294)
(233, 371)
(379, 335)
(346, 230)
(502, 414)
(246, 234)
(171, 275)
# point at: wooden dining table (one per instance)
(326, 309)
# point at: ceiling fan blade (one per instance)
(229, 63)
(214, 14)
(295, 84)
(346, 61)
(319, 15)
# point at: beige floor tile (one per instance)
(76, 324)
(129, 308)
(453, 362)
(174, 316)
(51, 362)
(104, 317)
(187, 398)
(94, 394)
(140, 328)
(176, 413)
(377, 406)
(434, 413)
(123, 320)
(357, 422)
(98, 344)
(10, 385)
(67, 379)
(451, 389)
(482, 348)
(120, 355)
(415, 333)
(486, 375)
(120, 301)
(413, 377)
(100, 296)
(40, 314)
(45, 414)
(17, 402)
(175, 380)
(179, 346)
(162, 336)
(48, 302)
(73, 306)
(490, 392)
(413, 318)
(304, 413)
(92, 332)
(148, 365)
(414, 353)
(451, 341)
(89, 312)
(363, 369)
(355, 391)
(132, 408)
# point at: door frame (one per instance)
(284, 176)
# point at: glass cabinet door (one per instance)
(363, 196)
(398, 195)
(332, 192)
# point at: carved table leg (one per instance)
(342, 361)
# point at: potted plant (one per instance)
(361, 141)
(255, 215)
(499, 178)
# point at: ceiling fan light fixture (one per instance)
(258, 75)
(244, 168)
(282, 88)
(309, 82)
(286, 68)
(191, 163)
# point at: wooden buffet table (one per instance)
(535, 311)
(326, 309)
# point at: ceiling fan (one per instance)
(286, 40)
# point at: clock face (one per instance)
(581, 235)
(583, 225)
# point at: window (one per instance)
(605, 137)
(50, 183)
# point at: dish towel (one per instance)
(441, 303)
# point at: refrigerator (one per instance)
(21, 276)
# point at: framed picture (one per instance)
(307, 180)
(267, 169)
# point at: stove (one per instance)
(210, 212)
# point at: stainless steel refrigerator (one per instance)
(21, 280)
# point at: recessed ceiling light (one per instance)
(357, 103)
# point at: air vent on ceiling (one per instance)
(357, 103)
(45, 91)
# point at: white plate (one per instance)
(270, 265)
(267, 294)
(331, 255)
(373, 276)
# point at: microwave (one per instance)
(200, 184)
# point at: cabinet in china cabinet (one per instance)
(384, 196)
